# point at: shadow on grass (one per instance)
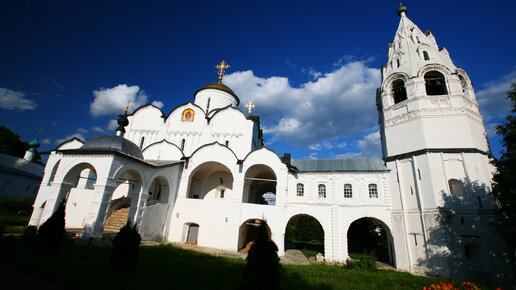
(159, 267)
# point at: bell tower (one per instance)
(434, 141)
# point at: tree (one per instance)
(11, 143)
(124, 254)
(263, 268)
(51, 233)
(504, 190)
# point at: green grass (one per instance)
(309, 253)
(167, 267)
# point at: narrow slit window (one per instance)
(425, 55)
(141, 142)
(183, 141)
(208, 105)
(397, 63)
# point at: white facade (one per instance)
(199, 173)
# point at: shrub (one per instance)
(125, 248)
(2, 230)
(262, 270)
(51, 233)
(29, 233)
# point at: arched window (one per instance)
(398, 91)
(188, 115)
(183, 141)
(455, 186)
(348, 190)
(425, 55)
(373, 190)
(435, 83)
(300, 189)
(322, 191)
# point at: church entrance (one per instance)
(372, 238)
(211, 180)
(247, 234)
(192, 233)
(124, 201)
(305, 233)
(260, 185)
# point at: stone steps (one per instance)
(116, 220)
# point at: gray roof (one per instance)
(356, 164)
(112, 143)
(21, 166)
(161, 163)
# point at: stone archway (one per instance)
(124, 201)
(77, 191)
(371, 237)
(260, 185)
(305, 233)
(211, 180)
(247, 233)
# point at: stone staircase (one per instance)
(116, 221)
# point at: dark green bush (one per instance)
(51, 233)
(125, 248)
(29, 233)
(2, 230)
(262, 270)
(364, 262)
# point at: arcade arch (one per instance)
(304, 232)
(77, 191)
(124, 200)
(248, 232)
(260, 185)
(370, 236)
(211, 180)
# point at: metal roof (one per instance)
(355, 164)
(21, 166)
(113, 143)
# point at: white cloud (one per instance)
(68, 137)
(46, 141)
(82, 131)
(12, 100)
(491, 129)
(112, 125)
(316, 147)
(113, 101)
(98, 130)
(369, 145)
(158, 104)
(338, 104)
(492, 99)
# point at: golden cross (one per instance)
(127, 108)
(250, 106)
(221, 69)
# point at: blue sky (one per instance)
(311, 67)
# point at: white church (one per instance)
(201, 174)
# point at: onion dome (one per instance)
(220, 87)
(402, 9)
(111, 143)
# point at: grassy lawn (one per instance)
(166, 266)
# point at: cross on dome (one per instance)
(221, 67)
(250, 106)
